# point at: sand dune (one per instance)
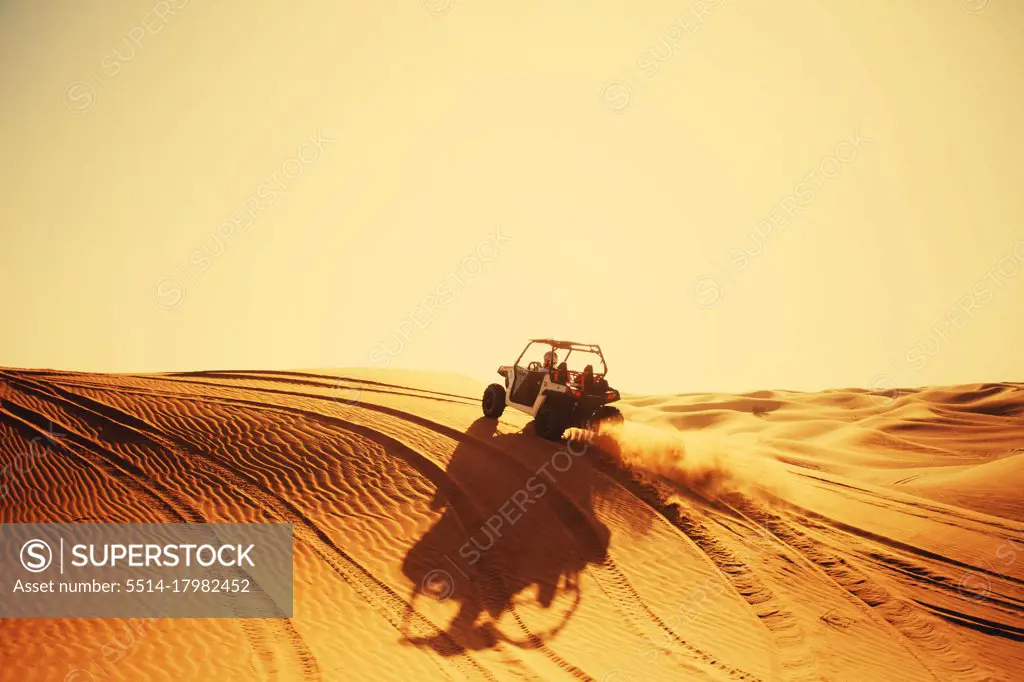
(841, 535)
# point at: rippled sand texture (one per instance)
(841, 535)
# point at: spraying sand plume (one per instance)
(707, 462)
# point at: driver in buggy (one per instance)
(550, 359)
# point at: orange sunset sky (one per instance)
(727, 195)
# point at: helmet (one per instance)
(550, 358)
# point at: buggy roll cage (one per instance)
(571, 346)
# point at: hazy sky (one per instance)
(727, 195)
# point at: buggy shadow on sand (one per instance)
(505, 528)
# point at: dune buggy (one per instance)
(542, 385)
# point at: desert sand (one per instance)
(840, 535)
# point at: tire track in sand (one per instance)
(915, 630)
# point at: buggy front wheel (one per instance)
(494, 401)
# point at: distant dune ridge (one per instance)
(839, 535)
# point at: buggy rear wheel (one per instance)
(552, 420)
(603, 416)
